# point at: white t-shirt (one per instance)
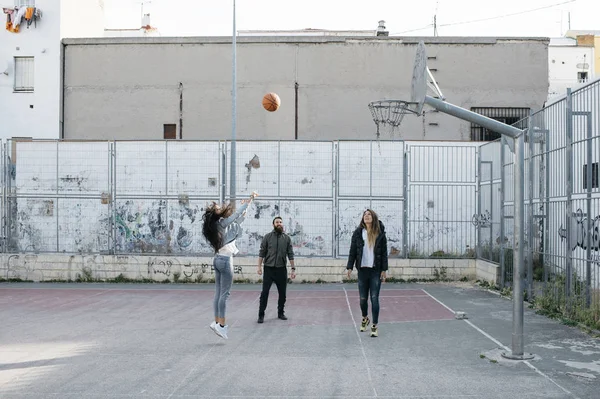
(368, 256)
(229, 249)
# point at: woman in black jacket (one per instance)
(368, 251)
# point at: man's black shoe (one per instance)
(282, 317)
(261, 319)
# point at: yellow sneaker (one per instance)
(364, 324)
(374, 330)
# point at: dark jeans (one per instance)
(369, 283)
(277, 275)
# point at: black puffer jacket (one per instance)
(380, 251)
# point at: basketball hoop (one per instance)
(388, 114)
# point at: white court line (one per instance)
(494, 340)
(341, 297)
(362, 347)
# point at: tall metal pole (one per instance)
(518, 252)
(519, 202)
(232, 169)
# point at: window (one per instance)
(510, 116)
(582, 77)
(170, 131)
(24, 68)
(594, 176)
(24, 3)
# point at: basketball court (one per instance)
(153, 341)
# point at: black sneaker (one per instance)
(282, 317)
(261, 319)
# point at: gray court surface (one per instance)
(152, 341)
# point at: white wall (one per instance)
(37, 114)
(43, 43)
(564, 61)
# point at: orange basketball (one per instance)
(271, 102)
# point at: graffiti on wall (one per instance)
(151, 227)
(482, 220)
(580, 235)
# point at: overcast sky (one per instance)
(403, 17)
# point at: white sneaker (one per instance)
(221, 331)
(213, 326)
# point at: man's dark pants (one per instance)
(277, 275)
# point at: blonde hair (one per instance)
(372, 232)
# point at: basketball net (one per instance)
(388, 115)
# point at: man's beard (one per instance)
(279, 229)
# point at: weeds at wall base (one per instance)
(554, 304)
(122, 279)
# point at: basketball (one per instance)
(271, 102)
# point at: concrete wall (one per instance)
(487, 271)
(122, 88)
(195, 269)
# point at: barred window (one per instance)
(506, 115)
(24, 72)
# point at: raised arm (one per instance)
(235, 216)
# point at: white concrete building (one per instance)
(570, 65)
(30, 61)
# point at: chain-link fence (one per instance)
(128, 197)
(562, 204)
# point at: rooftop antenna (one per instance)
(435, 32)
(142, 10)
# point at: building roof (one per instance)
(308, 32)
(563, 41)
(575, 33)
(301, 39)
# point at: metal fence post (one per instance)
(405, 202)
(502, 216)
(478, 194)
(114, 195)
(531, 224)
(57, 204)
(588, 200)
(569, 193)
(546, 229)
(335, 166)
(3, 150)
(111, 222)
(588, 268)
(223, 171)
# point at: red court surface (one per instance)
(73, 341)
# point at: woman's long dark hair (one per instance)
(373, 232)
(211, 217)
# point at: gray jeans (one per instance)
(223, 281)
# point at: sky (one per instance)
(538, 18)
